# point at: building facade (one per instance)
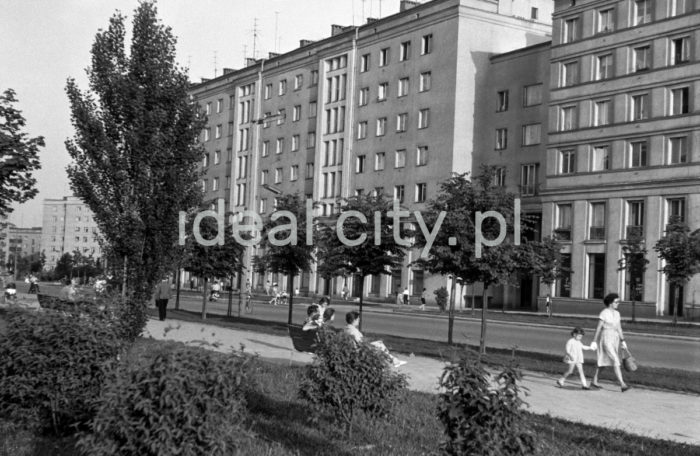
(68, 225)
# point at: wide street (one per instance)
(657, 351)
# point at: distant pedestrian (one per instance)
(162, 295)
(611, 339)
(345, 292)
(406, 295)
(69, 293)
(33, 285)
(548, 305)
(268, 289)
(422, 299)
(248, 295)
(399, 296)
(192, 284)
(574, 357)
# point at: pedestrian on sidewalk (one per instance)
(608, 339)
(162, 295)
(574, 357)
(422, 299)
(406, 295)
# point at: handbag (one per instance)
(628, 361)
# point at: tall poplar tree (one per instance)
(135, 152)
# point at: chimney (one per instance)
(249, 61)
(371, 19)
(228, 70)
(407, 4)
(272, 55)
(303, 43)
(336, 29)
(205, 79)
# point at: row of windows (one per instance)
(639, 59)
(531, 135)
(401, 124)
(399, 159)
(420, 192)
(673, 101)
(637, 153)
(403, 88)
(384, 56)
(215, 186)
(279, 174)
(607, 19)
(298, 82)
(280, 144)
(532, 96)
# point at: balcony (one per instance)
(634, 231)
(562, 234)
(596, 233)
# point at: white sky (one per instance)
(43, 42)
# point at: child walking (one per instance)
(574, 357)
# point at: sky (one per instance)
(44, 42)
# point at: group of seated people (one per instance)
(320, 314)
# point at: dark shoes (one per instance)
(586, 388)
(625, 388)
(596, 386)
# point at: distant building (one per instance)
(68, 225)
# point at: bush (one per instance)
(441, 295)
(346, 378)
(188, 402)
(479, 418)
(53, 367)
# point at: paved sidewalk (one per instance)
(658, 414)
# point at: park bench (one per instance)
(303, 341)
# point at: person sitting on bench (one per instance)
(314, 319)
(353, 320)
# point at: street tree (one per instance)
(366, 237)
(634, 262)
(64, 266)
(680, 251)
(546, 262)
(287, 241)
(19, 155)
(135, 151)
(211, 261)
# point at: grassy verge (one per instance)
(281, 425)
(670, 379)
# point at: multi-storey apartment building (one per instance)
(623, 152)
(21, 243)
(391, 106)
(68, 225)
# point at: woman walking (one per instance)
(611, 338)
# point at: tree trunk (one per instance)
(230, 297)
(634, 302)
(362, 292)
(290, 292)
(473, 296)
(204, 298)
(484, 305)
(124, 279)
(676, 293)
(177, 290)
(451, 313)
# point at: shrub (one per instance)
(186, 402)
(53, 367)
(479, 418)
(441, 295)
(346, 378)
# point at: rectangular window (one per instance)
(421, 192)
(362, 129)
(281, 116)
(601, 158)
(263, 206)
(604, 68)
(298, 81)
(294, 173)
(642, 58)
(677, 150)
(532, 95)
(204, 185)
(405, 51)
(640, 107)
(295, 143)
(382, 91)
(426, 46)
(268, 91)
(278, 175)
(425, 81)
(207, 134)
(567, 120)
(242, 166)
(596, 275)
(569, 75)
(679, 101)
(424, 118)
(400, 158)
(501, 138)
(635, 219)
(680, 50)
(364, 63)
(642, 12)
(638, 154)
(312, 109)
(567, 161)
(205, 160)
(231, 128)
(606, 20)
(381, 126)
(296, 113)
(263, 177)
(528, 179)
(309, 171)
(280, 146)
(676, 208)
(502, 101)
(531, 134)
(384, 57)
(311, 139)
(360, 164)
(207, 110)
(678, 7)
(401, 122)
(422, 156)
(533, 13)
(601, 112)
(282, 89)
(564, 217)
(364, 96)
(215, 184)
(403, 87)
(597, 222)
(571, 30)
(217, 157)
(499, 176)
(379, 159)
(399, 191)
(314, 78)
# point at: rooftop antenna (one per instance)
(255, 36)
(380, 9)
(277, 13)
(245, 53)
(215, 64)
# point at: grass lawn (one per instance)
(670, 379)
(281, 426)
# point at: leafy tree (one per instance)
(19, 155)
(209, 262)
(546, 262)
(680, 251)
(359, 253)
(634, 262)
(135, 152)
(284, 243)
(64, 266)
